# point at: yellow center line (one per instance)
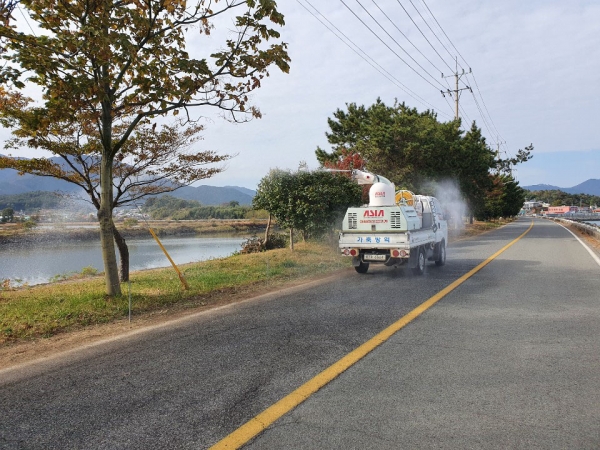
(260, 422)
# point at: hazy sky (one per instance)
(535, 79)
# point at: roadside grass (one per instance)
(478, 227)
(75, 301)
(45, 310)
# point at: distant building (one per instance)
(562, 209)
(528, 206)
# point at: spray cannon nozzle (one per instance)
(362, 177)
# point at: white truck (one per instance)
(394, 229)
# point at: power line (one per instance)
(405, 36)
(430, 29)
(485, 106)
(448, 103)
(390, 36)
(356, 49)
(464, 113)
(438, 24)
(423, 34)
(26, 20)
(472, 74)
(384, 43)
(364, 55)
(483, 116)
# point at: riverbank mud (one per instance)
(74, 232)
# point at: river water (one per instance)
(35, 264)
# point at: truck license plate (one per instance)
(368, 257)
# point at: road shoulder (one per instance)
(24, 352)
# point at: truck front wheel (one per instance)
(362, 267)
(420, 267)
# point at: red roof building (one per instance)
(562, 209)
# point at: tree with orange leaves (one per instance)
(107, 67)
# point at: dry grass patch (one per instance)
(41, 311)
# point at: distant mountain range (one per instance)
(13, 183)
(590, 187)
(212, 195)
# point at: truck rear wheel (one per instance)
(441, 254)
(420, 267)
(362, 267)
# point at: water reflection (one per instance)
(39, 264)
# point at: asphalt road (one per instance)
(509, 359)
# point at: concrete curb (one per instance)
(590, 230)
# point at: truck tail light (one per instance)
(395, 253)
(353, 252)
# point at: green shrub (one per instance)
(89, 271)
(29, 224)
(277, 240)
(253, 244)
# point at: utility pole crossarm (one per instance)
(457, 76)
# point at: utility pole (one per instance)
(457, 76)
(499, 143)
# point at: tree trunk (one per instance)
(107, 243)
(291, 239)
(123, 253)
(266, 242)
